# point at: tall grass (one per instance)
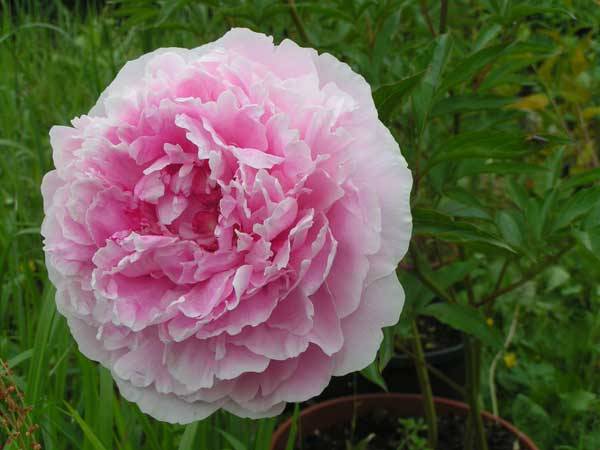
(54, 62)
(56, 56)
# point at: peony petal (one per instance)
(380, 307)
(223, 228)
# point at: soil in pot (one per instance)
(435, 335)
(388, 432)
(328, 425)
(443, 349)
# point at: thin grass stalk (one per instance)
(425, 387)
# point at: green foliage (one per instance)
(498, 117)
(413, 430)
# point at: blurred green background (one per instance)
(530, 68)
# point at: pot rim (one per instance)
(283, 428)
(434, 354)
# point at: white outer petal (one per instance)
(166, 407)
(380, 307)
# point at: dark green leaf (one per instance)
(480, 166)
(575, 206)
(528, 9)
(386, 350)
(465, 319)
(389, 96)
(445, 228)
(372, 373)
(424, 94)
(509, 228)
(482, 144)
(530, 416)
(469, 103)
(581, 179)
(468, 67)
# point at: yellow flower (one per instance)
(510, 359)
(489, 321)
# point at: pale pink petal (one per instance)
(380, 307)
(224, 227)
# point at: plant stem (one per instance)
(473, 385)
(425, 386)
(436, 372)
(298, 22)
(443, 16)
(425, 13)
(431, 284)
(536, 270)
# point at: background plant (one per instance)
(495, 104)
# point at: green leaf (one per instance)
(105, 408)
(528, 9)
(576, 206)
(363, 444)
(429, 222)
(517, 193)
(386, 350)
(589, 240)
(326, 11)
(468, 200)
(18, 359)
(480, 166)
(265, 431)
(509, 228)
(233, 441)
(578, 401)
(465, 319)
(581, 179)
(530, 416)
(533, 217)
(556, 276)
(189, 435)
(389, 96)
(87, 431)
(469, 103)
(481, 144)
(293, 429)
(468, 67)
(36, 378)
(423, 96)
(372, 373)
(453, 273)
(382, 41)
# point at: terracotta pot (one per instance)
(326, 414)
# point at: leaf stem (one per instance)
(431, 284)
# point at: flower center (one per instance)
(179, 199)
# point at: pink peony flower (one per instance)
(224, 226)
